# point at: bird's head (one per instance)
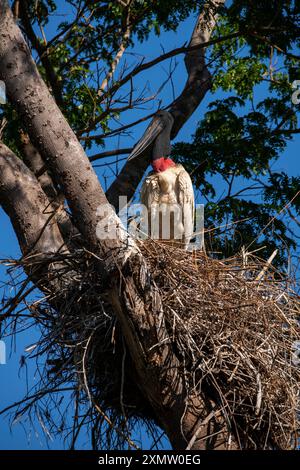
(157, 133)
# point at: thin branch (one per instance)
(278, 48)
(174, 52)
(275, 217)
(68, 28)
(119, 55)
(116, 131)
(110, 153)
(286, 131)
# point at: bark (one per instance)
(35, 163)
(134, 295)
(37, 225)
(196, 87)
(42, 51)
(27, 206)
(199, 79)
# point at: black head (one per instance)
(157, 133)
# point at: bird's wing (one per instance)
(150, 195)
(150, 191)
(185, 194)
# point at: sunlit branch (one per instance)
(110, 153)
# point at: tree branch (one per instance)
(36, 165)
(110, 153)
(27, 206)
(142, 67)
(42, 51)
(119, 55)
(168, 55)
(199, 78)
(286, 131)
(115, 131)
(34, 162)
(275, 46)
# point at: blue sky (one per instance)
(12, 379)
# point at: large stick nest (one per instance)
(234, 324)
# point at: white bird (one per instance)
(167, 192)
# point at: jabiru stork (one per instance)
(167, 191)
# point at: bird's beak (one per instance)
(153, 130)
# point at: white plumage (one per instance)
(167, 193)
(169, 199)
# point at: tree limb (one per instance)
(275, 46)
(168, 55)
(36, 165)
(119, 55)
(114, 131)
(199, 77)
(110, 153)
(142, 67)
(34, 162)
(286, 131)
(42, 51)
(27, 206)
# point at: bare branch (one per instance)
(119, 55)
(116, 131)
(110, 153)
(168, 55)
(286, 131)
(142, 67)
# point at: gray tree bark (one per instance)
(28, 207)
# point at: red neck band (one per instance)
(162, 164)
